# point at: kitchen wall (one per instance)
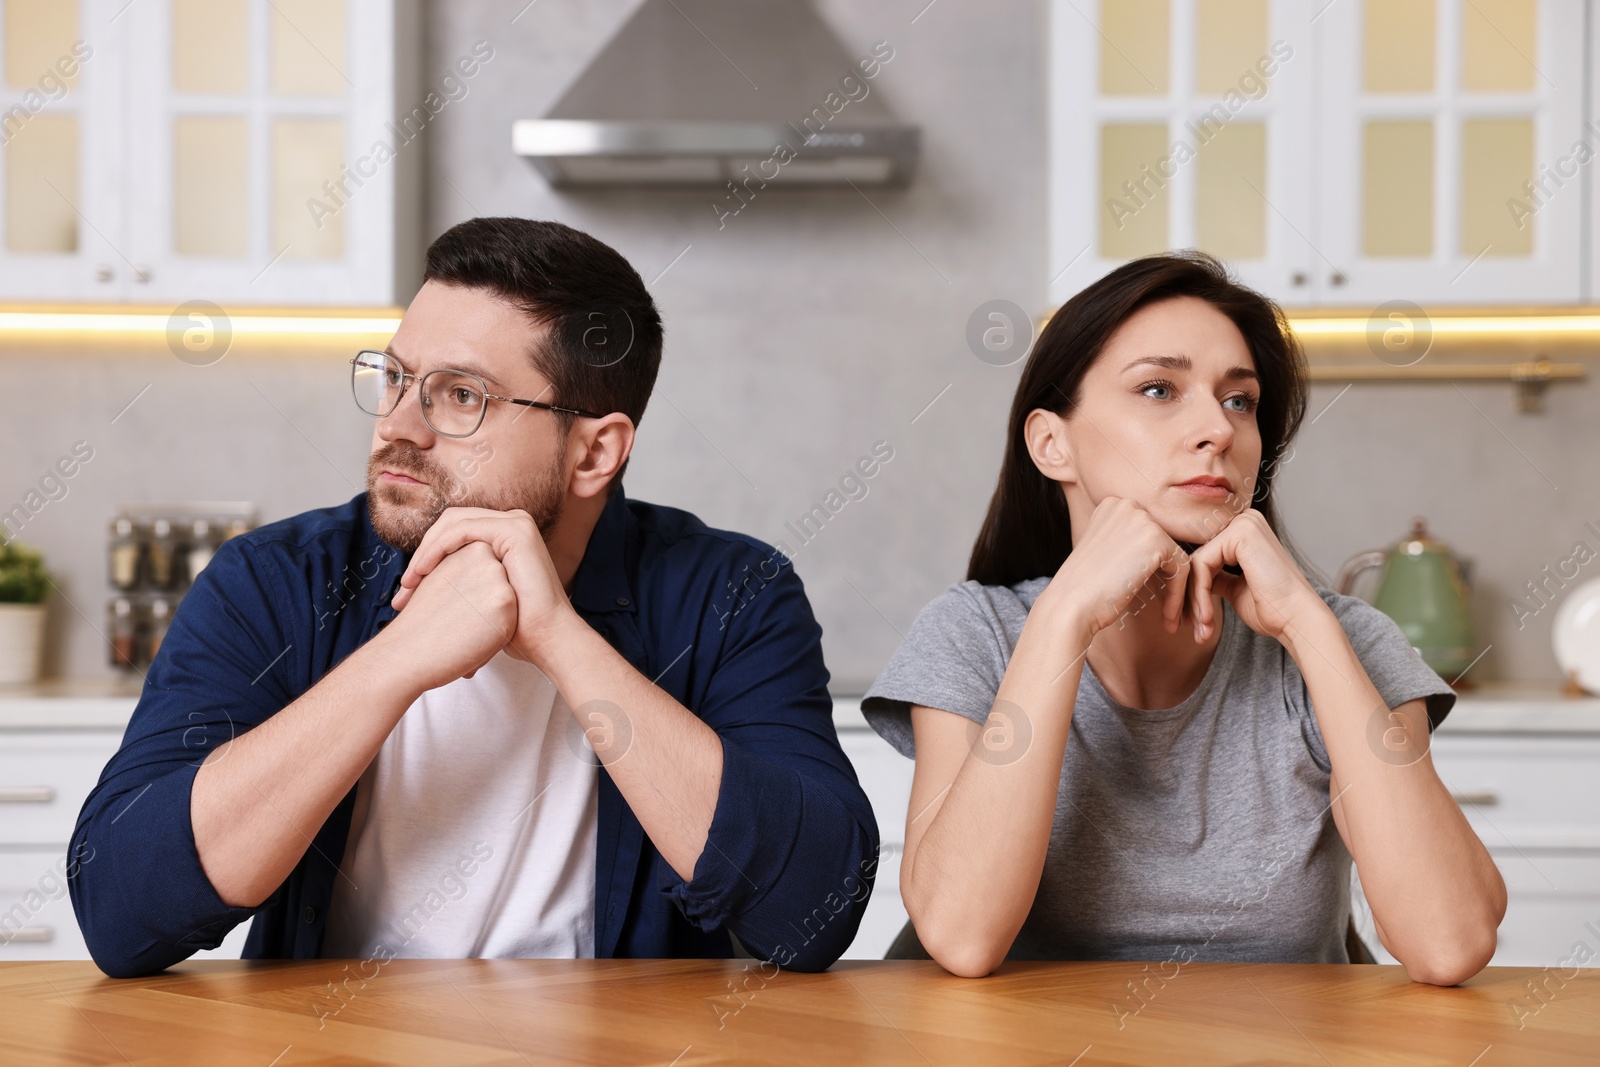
(806, 329)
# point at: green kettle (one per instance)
(1422, 587)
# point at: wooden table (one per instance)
(507, 1012)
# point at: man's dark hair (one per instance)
(604, 342)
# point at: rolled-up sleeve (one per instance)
(141, 896)
(792, 850)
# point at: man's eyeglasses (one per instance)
(453, 401)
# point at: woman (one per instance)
(1183, 740)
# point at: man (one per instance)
(583, 726)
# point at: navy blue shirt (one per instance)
(716, 619)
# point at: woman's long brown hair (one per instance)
(1028, 530)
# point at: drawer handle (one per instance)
(1478, 800)
(30, 933)
(27, 794)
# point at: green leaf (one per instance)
(23, 578)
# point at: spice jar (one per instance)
(201, 548)
(160, 617)
(123, 632)
(161, 551)
(124, 557)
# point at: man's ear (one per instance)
(1050, 446)
(601, 446)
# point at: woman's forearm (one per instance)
(1435, 893)
(971, 880)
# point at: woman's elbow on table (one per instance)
(1454, 959)
(1461, 945)
(1447, 970)
(965, 953)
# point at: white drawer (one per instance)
(45, 778)
(1553, 906)
(1525, 792)
(36, 917)
(885, 777)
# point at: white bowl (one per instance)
(1577, 635)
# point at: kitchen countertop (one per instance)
(1492, 708)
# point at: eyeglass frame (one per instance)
(406, 377)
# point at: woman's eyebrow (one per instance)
(1185, 363)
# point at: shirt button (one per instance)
(311, 914)
(622, 601)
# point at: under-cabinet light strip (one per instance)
(146, 322)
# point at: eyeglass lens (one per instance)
(452, 402)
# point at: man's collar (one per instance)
(601, 583)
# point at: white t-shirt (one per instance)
(474, 828)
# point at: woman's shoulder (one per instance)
(952, 658)
(968, 604)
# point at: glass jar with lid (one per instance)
(126, 548)
(202, 546)
(160, 554)
(122, 628)
(160, 618)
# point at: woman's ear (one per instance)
(1049, 445)
(601, 447)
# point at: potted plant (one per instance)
(23, 585)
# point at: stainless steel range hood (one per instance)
(704, 92)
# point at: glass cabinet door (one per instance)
(1177, 124)
(243, 140)
(1452, 151)
(60, 217)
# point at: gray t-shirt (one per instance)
(1198, 832)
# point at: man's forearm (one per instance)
(259, 799)
(666, 762)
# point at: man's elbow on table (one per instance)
(116, 953)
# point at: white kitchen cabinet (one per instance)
(61, 137)
(1177, 124)
(1333, 154)
(1431, 117)
(224, 151)
(52, 750)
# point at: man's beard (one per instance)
(403, 514)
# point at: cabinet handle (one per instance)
(1479, 800)
(27, 794)
(1298, 278)
(141, 275)
(29, 933)
(103, 272)
(1336, 278)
